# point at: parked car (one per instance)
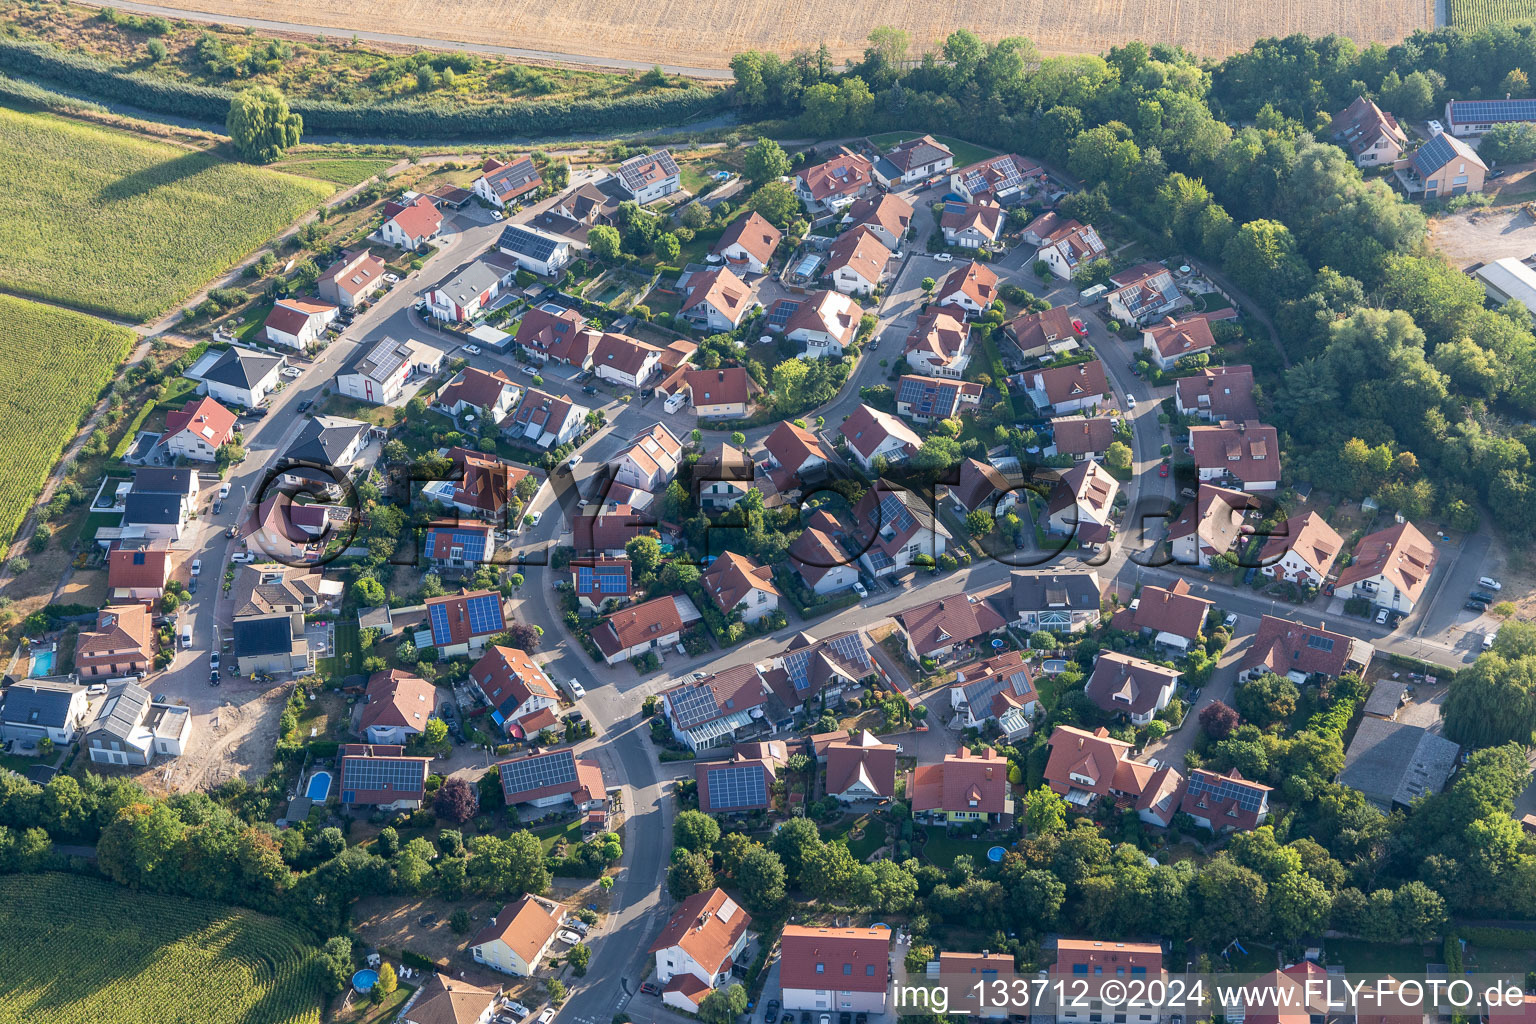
(549, 1014)
(650, 988)
(1130, 401)
(233, 529)
(1483, 596)
(573, 461)
(944, 257)
(1488, 641)
(1489, 583)
(218, 506)
(192, 585)
(529, 371)
(224, 492)
(589, 390)
(1381, 616)
(242, 557)
(392, 278)
(1078, 326)
(1475, 606)
(516, 1009)
(213, 678)
(534, 517)
(1230, 620)
(473, 350)
(186, 636)
(771, 1013)
(197, 566)
(292, 372)
(306, 404)
(845, 1018)
(1162, 470)
(577, 690)
(496, 215)
(858, 588)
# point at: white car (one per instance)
(497, 215)
(573, 461)
(242, 556)
(858, 588)
(1130, 401)
(577, 690)
(224, 492)
(1488, 641)
(473, 350)
(1381, 617)
(534, 517)
(1230, 620)
(292, 372)
(549, 1014)
(186, 636)
(1489, 583)
(392, 278)
(944, 257)
(197, 566)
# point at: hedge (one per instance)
(1499, 938)
(1444, 673)
(104, 81)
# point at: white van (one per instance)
(675, 402)
(186, 636)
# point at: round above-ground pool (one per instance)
(319, 786)
(996, 854)
(364, 980)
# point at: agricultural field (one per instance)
(705, 33)
(346, 171)
(1475, 14)
(141, 958)
(53, 364)
(111, 223)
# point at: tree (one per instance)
(766, 161)
(776, 202)
(761, 877)
(1267, 699)
(387, 982)
(456, 800)
(690, 874)
(603, 240)
(644, 554)
(695, 831)
(1118, 456)
(556, 989)
(508, 867)
(579, 957)
(1494, 701)
(1218, 720)
(433, 734)
(723, 1006)
(666, 247)
(1508, 143)
(980, 523)
(1044, 811)
(795, 841)
(260, 124)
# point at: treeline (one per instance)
(1403, 385)
(407, 120)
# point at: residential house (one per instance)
(588, 205)
(725, 393)
(297, 323)
(982, 486)
(831, 968)
(888, 216)
(649, 176)
(893, 529)
(1302, 550)
(824, 321)
(1247, 453)
(399, 706)
(517, 939)
(938, 628)
(1069, 247)
(1443, 166)
(745, 782)
(1211, 526)
(1082, 504)
(940, 344)
(410, 225)
(1392, 763)
(708, 712)
(1042, 227)
(379, 372)
(971, 979)
(1217, 393)
(1225, 803)
(702, 941)
(1084, 766)
(1368, 134)
(553, 778)
(472, 288)
(1082, 438)
(625, 361)
(34, 709)
(284, 530)
(1057, 602)
(198, 430)
(999, 689)
(1143, 293)
(833, 184)
(1474, 117)
(327, 442)
(451, 196)
(823, 566)
(504, 182)
(450, 544)
(650, 461)
(243, 377)
(971, 225)
(737, 583)
(872, 435)
(860, 768)
(130, 729)
(925, 399)
(812, 670)
(1071, 388)
(159, 503)
(1002, 178)
(442, 999)
(601, 580)
(485, 395)
(1087, 964)
(556, 334)
(1302, 652)
(1050, 332)
(138, 569)
(971, 286)
(260, 589)
(544, 420)
(271, 642)
(913, 160)
(1172, 616)
(478, 485)
(856, 261)
(749, 243)
(352, 279)
(715, 300)
(649, 626)
(461, 623)
(964, 787)
(533, 250)
(605, 528)
(1173, 340)
(121, 644)
(1133, 687)
(793, 457)
(722, 477)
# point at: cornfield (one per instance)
(108, 223)
(53, 365)
(84, 951)
(1474, 14)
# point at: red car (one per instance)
(1162, 470)
(1077, 325)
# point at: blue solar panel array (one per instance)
(527, 243)
(441, 634)
(926, 398)
(846, 648)
(1222, 788)
(1320, 643)
(485, 614)
(737, 786)
(782, 310)
(607, 580)
(444, 541)
(693, 705)
(1487, 111)
(1434, 154)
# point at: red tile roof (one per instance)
(827, 312)
(291, 315)
(889, 212)
(860, 250)
(508, 677)
(1400, 553)
(631, 627)
(354, 271)
(139, 565)
(209, 421)
(941, 333)
(1078, 436)
(1039, 330)
(1094, 756)
(729, 385)
(722, 289)
(985, 218)
(754, 234)
(1310, 537)
(849, 959)
(861, 758)
(815, 553)
(844, 174)
(456, 606)
(420, 219)
(1092, 954)
(561, 336)
(397, 698)
(525, 926)
(706, 926)
(866, 428)
(1209, 795)
(1227, 390)
(975, 280)
(474, 387)
(587, 786)
(624, 354)
(1173, 610)
(1249, 451)
(604, 567)
(1216, 515)
(1282, 646)
(486, 482)
(1073, 382)
(732, 577)
(1175, 339)
(1121, 684)
(963, 782)
(121, 630)
(949, 620)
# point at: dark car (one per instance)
(192, 585)
(845, 1018)
(589, 390)
(805, 1017)
(771, 1013)
(861, 1018)
(213, 678)
(1475, 606)
(650, 988)
(306, 404)
(218, 506)
(1483, 596)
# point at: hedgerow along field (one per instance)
(53, 365)
(1474, 14)
(106, 222)
(84, 951)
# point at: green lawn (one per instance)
(1361, 957)
(966, 153)
(570, 831)
(861, 848)
(346, 171)
(112, 223)
(941, 850)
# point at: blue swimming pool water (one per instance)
(319, 786)
(42, 663)
(996, 854)
(365, 979)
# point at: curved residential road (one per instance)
(429, 42)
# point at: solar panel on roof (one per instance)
(471, 545)
(527, 243)
(1463, 111)
(737, 785)
(694, 705)
(485, 614)
(386, 357)
(1320, 643)
(555, 769)
(781, 312)
(377, 774)
(441, 634)
(1248, 797)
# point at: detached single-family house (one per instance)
(650, 461)
(715, 300)
(1247, 453)
(823, 670)
(379, 373)
(160, 502)
(888, 216)
(1171, 616)
(706, 713)
(478, 485)
(1301, 550)
(815, 555)
(725, 393)
(705, 937)
(999, 689)
(1225, 803)
(723, 476)
(831, 968)
(982, 486)
(551, 779)
(745, 782)
(197, 430)
(833, 184)
(1443, 166)
(893, 528)
(272, 642)
(625, 361)
(860, 768)
(486, 395)
(518, 937)
(399, 705)
(749, 243)
(504, 182)
(1082, 503)
(1391, 568)
(1210, 526)
(971, 287)
(243, 377)
(1050, 332)
(461, 623)
(1133, 687)
(546, 421)
(1143, 293)
(330, 442)
(964, 787)
(1082, 438)
(602, 583)
(935, 629)
(450, 544)
(940, 344)
(1084, 766)
(130, 729)
(793, 457)
(737, 583)
(925, 399)
(1369, 134)
(913, 160)
(556, 334)
(649, 176)
(583, 208)
(824, 321)
(1069, 247)
(121, 644)
(31, 709)
(1217, 393)
(872, 434)
(297, 323)
(1300, 652)
(971, 225)
(410, 225)
(1057, 602)
(474, 286)
(857, 261)
(1070, 388)
(445, 1000)
(138, 569)
(1002, 178)
(1474, 117)
(1172, 340)
(645, 627)
(534, 251)
(352, 279)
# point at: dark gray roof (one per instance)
(122, 711)
(323, 439)
(265, 634)
(241, 367)
(151, 510)
(162, 480)
(37, 703)
(1394, 763)
(526, 242)
(1033, 590)
(1386, 697)
(471, 281)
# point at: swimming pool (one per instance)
(365, 979)
(319, 786)
(42, 663)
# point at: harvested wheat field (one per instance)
(705, 33)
